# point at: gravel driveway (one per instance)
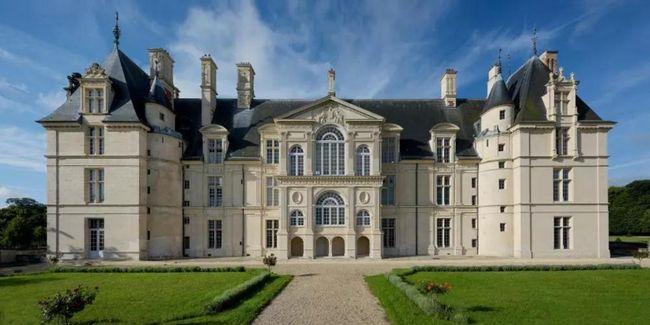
(324, 293)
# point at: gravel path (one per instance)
(324, 293)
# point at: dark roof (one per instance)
(499, 95)
(416, 117)
(133, 88)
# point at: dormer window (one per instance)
(443, 149)
(95, 100)
(561, 102)
(215, 151)
(272, 151)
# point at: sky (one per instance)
(380, 49)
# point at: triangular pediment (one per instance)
(330, 110)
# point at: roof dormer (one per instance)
(97, 93)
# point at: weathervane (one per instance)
(116, 31)
(534, 39)
(499, 58)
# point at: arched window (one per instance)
(296, 161)
(330, 152)
(330, 210)
(296, 218)
(363, 161)
(363, 218)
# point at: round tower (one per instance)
(495, 188)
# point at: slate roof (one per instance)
(133, 88)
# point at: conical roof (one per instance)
(499, 95)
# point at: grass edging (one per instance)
(507, 268)
(146, 269)
(231, 296)
(428, 304)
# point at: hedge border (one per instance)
(431, 306)
(146, 269)
(229, 297)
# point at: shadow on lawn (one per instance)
(19, 281)
(99, 320)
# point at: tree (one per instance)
(629, 209)
(23, 224)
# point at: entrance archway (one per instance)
(338, 246)
(322, 247)
(297, 247)
(363, 246)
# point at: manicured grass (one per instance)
(549, 297)
(136, 297)
(631, 239)
(399, 308)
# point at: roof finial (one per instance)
(499, 58)
(116, 31)
(534, 39)
(331, 78)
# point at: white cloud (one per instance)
(624, 81)
(21, 148)
(50, 101)
(7, 192)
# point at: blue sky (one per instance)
(380, 49)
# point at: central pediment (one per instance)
(330, 110)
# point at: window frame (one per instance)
(272, 151)
(329, 152)
(271, 227)
(388, 226)
(363, 218)
(443, 190)
(215, 233)
(296, 161)
(215, 191)
(562, 184)
(272, 192)
(215, 150)
(296, 218)
(443, 232)
(329, 210)
(389, 150)
(363, 159)
(562, 138)
(388, 190)
(94, 100)
(443, 149)
(562, 233)
(95, 180)
(95, 140)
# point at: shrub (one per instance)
(641, 254)
(230, 297)
(270, 260)
(430, 287)
(61, 307)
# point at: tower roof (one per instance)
(498, 95)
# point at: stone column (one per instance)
(308, 241)
(283, 237)
(350, 238)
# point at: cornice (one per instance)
(330, 180)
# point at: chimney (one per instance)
(161, 62)
(494, 72)
(448, 87)
(331, 80)
(549, 58)
(245, 85)
(208, 89)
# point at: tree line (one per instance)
(23, 224)
(629, 209)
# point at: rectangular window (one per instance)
(215, 235)
(186, 242)
(443, 189)
(473, 223)
(474, 242)
(215, 151)
(388, 148)
(473, 182)
(95, 100)
(272, 151)
(95, 140)
(186, 184)
(501, 147)
(388, 190)
(388, 228)
(502, 227)
(96, 228)
(502, 209)
(186, 220)
(95, 180)
(561, 141)
(561, 102)
(473, 199)
(561, 182)
(215, 192)
(272, 233)
(443, 150)
(502, 114)
(443, 232)
(502, 164)
(502, 183)
(162, 117)
(272, 192)
(562, 232)
(186, 203)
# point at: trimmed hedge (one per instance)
(230, 297)
(506, 268)
(146, 269)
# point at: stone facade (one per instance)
(136, 172)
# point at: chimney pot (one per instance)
(448, 87)
(245, 84)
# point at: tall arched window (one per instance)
(296, 161)
(330, 210)
(330, 152)
(363, 161)
(363, 218)
(296, 219)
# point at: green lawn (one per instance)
(136, 297)
(543, 297)
(631, 239)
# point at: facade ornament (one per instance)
(95, 71)
(331, 114)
